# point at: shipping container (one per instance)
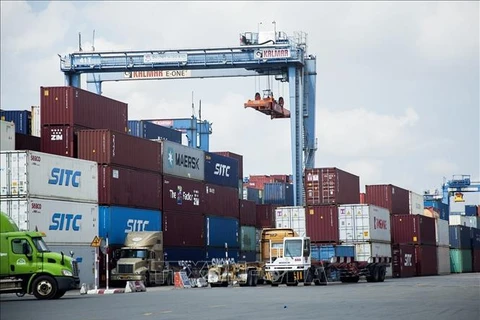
(291, 217)
(248, 238)
(259, 181)
(115, 222)
(442, 232)
(183, 253)
(460, 237)
(363, 198)
(466, 221)
(443, 260)
(62, 221)
(148, 130)
(278, 193)
(442, 208)
(183, 229)
(413, 229)
(60, 140)
(322, 223)
(475, 238)
(182, 161)
(471, 210)
(76, 107)
(115, 148)
(323, 252)
(183, 195)
(415, 203)
(247, 213)
(331, 186)
(219, 255)
(265, 215)
(460, 260)
(7, 136)
(391, 197)
(21, 118)
(42, 175)
(253, 195)
(119, 186)
(363, 222)
(248, 256)
(221, 201)
(27, 142)
(366, 250)
(403, 261)
(221, 170)
(235, 156)
(84, 255)
(36, 122)
(476, 260)
(220, 231)
(426, 260)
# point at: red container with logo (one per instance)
(322, 223)
(233, 156)
(413, 229)
(119, 186)
(248, 213)
(221, 201)
(388, 196)
(115, 148)
(76, 107)
(324, 186)
(426, 260)
(183, 229)
(403, 261)
(60, 140)
(265, 215)
(183, 195)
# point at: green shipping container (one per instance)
(248, 241)
(460, 261)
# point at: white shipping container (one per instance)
(7, 135)
(465, 221)
(62, 221)
(291, 217)
(363, 222)
(42, 175)
(416, 203)
(36, 126)
(442, 232)
(85, 256)
(443, 260)
(365, 251)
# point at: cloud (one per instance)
(370, 171)
(442, 167)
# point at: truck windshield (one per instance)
(133, 253)
(40, 245)
(293, 248)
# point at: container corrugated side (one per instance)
(183, 195)
(182, 161)
(443, 260)
(220, 231)
(36, 121)
(413, 229)
(291, 217)
(391, 197)
(364, 251)
(7, 136)
(322, 223)
(426, 260)
(26, 142)
(148, 130)
(415, 203)
(247, 239)
(460, 260)
(403, 261)
(221, 201)
(442, 232)
(42, 175)
(363, 222)
(84, 255)
(220, 255)
(247, 213)
(176, 254)
(475, 238)
(116, 222)
(21, 118)
(476, 260)
(183, 229)
(278, 193)
(248, 256)
(466, 221)
(236, 156)
(60, 140)
(460, 237)
(62, 221)
(471, 210)
(221, 170)
(253, 195)
(265, 215)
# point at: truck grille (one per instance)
(75, 268)
(125, 268)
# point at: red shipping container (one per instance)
(183, 229)
(426, 260)
(403, 261)
(27, 142)
(221, 201)
(115, 148)
(258, 182)
(413, 229)
(476, 260)
(60, 140)
(322, 223)
(183, 195)
(388, 196)
(76, 107)
(280, 178)
(362, 198)
(234, 156)
(118, 186)
(248, 213)
(331, 186)
(265, 215)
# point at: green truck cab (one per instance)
(28, 266)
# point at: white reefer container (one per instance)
(291, 217)
(7, 135)
(36, 125)
(443, 260)
(363, 222)
(63, 221)
(416, 203)
(466, 221)
(42, 175)
(442, 232)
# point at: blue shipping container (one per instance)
(325, 252)
(441, 207)
(148, 130)
(345, 251)
(21, 118)
(248, 256)
(220, 170)
(174, 254)
(254, 195)
(217, 254)
(475, 236)
(471, 211)
(118, 221)
(278, 193)
(221, 230)
(460, 237)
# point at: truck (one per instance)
(142, 259)
(27, 266)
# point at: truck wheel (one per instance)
(147, 279)
(376, 273)
(381, 274)
(44, 287)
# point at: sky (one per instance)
(397, 95)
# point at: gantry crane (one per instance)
(259, 53)
(456, 187)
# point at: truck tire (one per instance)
(376, 273)
(60, 293)
(147, 279)
(382, 273)
(44, 287)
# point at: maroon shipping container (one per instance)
(403, 261)
(426, 260)
(412, 229)
(322, 223)
(60, 140)
(476, 260)
(115, 148)
(331, 186)
(363, 198)
(248, 213)
(27, 142)
(183, 229)
(258, 182)
(221, 201)
(76, 107)
(265, 215)
(118, 186)
(183, 195)
(281, 178)
(388, 196)
(234, 156)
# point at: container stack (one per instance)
(151, 131)
(269, 189)
(23, 136)
(239, 159)
(7, 135)
(460, 249)
(249, 233)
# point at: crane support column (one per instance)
(72, 80)
(295, 79)
(309, 117)
(94, 83)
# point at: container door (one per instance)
(21, 257)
